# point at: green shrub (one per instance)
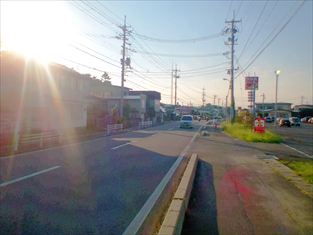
(302, 168)
(245, 133)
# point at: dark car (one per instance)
(269, 119)
(294, 121)
(284, 122)
(305, 119)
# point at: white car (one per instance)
(186, 121)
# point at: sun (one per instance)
(38, 29)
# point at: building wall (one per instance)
(271, 106)
(39, 98)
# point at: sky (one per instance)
(83, 36)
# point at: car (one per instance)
(310, 120)
(268, 119)
(284, 122)
(278, 120)
(186, 121)
(294, 121)
(305, 119)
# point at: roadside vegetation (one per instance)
(303, 168)
(243, 129)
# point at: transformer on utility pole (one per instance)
(125, 62)
(232, 30)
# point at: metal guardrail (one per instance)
(145, 124)
(114, 128)
(38, 139)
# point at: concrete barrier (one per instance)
(174, 218)
(148, 220)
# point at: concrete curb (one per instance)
(174, 218)
(149, 218)
(291, 176)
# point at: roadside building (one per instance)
(153, 112)
(37, 97)
(302, 110)
(283, 109)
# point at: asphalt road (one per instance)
(92, 187)
(236, 192)
(300, 138)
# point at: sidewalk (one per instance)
(236, 192)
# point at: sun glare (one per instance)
(36, 29)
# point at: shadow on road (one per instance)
(201, 215)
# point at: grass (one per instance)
(245, 133)
(302, 168)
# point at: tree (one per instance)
(105, 77)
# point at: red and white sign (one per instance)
(259, 125)
(252, 83)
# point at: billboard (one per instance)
(251, 83)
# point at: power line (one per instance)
(254, 27)
(273, 38)
(153, 60)
(88, 13)
(264, 22)
(187, 40)
(88, 48)
(114, 14)
(180, 55)
(86, 52)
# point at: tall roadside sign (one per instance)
(252, 84)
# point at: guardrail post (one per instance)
(41, 140)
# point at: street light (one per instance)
(277, 72)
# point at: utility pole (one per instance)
(176, 76)
(263, 98)
(218, 101)
(172, 75)
(124, 61)
(214, 98)
(302, 99)
(203, 97)
(232, 30)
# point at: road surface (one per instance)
(236, 192)
(92, 187)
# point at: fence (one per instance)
(145, 124)
(114, 128)
(38, 140)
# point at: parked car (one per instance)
(284, 122)
(268, 119)
(305, 119)
(278, 120)
(186, 121)
(294, 121)
(310, 120)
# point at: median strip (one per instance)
(28, 176)
(149, 216)
(174, 218)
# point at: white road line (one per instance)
(28, 176)
(119, 146)
(305, 154)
